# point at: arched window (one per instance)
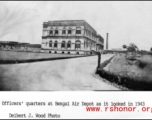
(63, 44)
(50, 43)
(56, 44)
(69, 44)
(78, 44)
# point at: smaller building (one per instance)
(100, 43)
(18, 46)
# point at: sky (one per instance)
(125, 21)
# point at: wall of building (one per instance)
(86, 44)
(90, 33)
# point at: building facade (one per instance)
(69, 36)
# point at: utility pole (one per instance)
(107, 44)
(18, 38)
(99, 57)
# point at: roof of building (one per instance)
(8, 42)
(17, 43)
(68, 22)
(99, 36)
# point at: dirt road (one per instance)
(60, 75)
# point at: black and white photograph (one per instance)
(75, 46)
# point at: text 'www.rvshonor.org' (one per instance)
(88, 107)
(119, 107)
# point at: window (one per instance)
(69, 44)
(77, 52)
(51, 32)
(50, 44)
(78, 31)
(46, 43)
(87, 44)
(63, 31)
(77, 44)
(69, 31)
(56, 44)
(63, 44)
(56, 32)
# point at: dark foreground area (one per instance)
(131, 74)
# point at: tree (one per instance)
(131, 48)
(151, 49)
(124, 46)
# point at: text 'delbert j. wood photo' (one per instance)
(75, 46)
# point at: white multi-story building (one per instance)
(69, 36)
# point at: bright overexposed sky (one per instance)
(125, 21)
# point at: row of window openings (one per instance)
(63, 52)
(68, 52)
(92, 36)
(68, 44)
(77, 45)
(69, 32)
(64, 32)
